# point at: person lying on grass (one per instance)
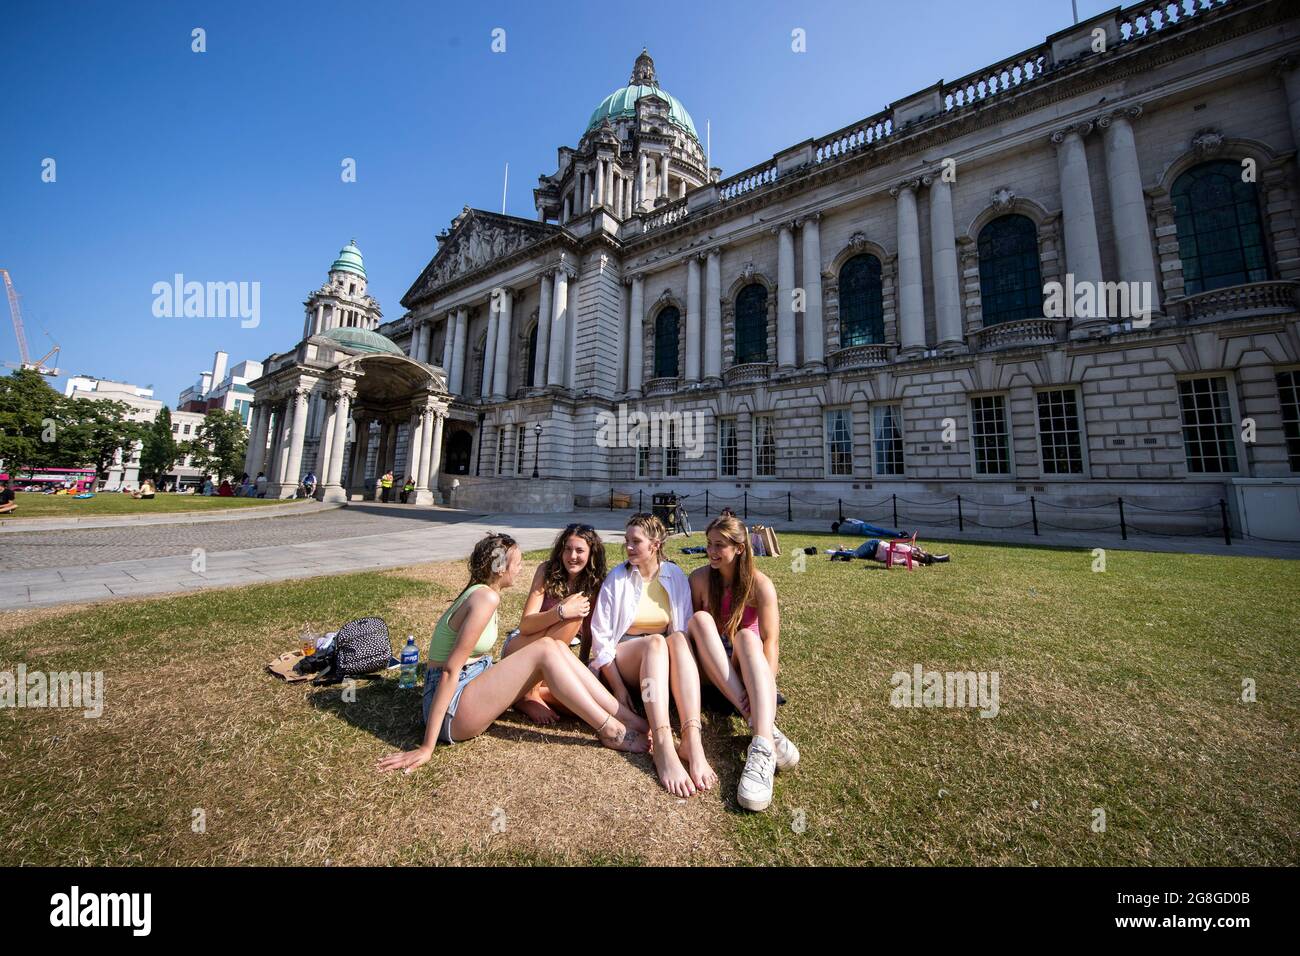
(559, 607)
(737, 637)
(464, 692)
(878, 550)
(638, 640)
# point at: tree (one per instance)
(220, 444)
(161, 449)
(93, 431)
(30, 416)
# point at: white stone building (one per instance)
(125, 469)
(873, 312)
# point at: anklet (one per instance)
(670, 730)
(693, 722)
(608, 717)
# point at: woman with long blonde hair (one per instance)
(736, 634)
(638, 640)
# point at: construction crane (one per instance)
(26, 362)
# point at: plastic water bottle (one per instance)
(410, 663)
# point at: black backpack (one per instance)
(361, 648)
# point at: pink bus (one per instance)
(39, 479)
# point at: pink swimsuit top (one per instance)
(748, 618)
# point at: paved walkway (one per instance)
(105, 563)
(18, 525)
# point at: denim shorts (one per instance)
(431, 680)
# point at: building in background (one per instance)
(222, 388)
(125, 469)
(889, 309)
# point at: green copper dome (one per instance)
(643, 82)
(349, 260)
(362, 340)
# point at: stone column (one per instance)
(458, 353)
(1128, 205)
(489, 354)
(297, 431)
(641, 180)
(693, 318)
(911, 306)
(360, 454)
(567, 212)
(571, 349)
(600, 182)
(320, 318)
(285, 438)
(663, 175)
(557, 360)
(713, 317)
(325, 446)
(448, 341)
(504, 304)
(435, 455)
(256, 434)
(785, 341)
(542, 359)
(415, 448)
(635, 335)
(426, 439)
(333, 478)
(943, 263)
(814, 338)
(1082, 252)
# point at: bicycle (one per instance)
(683, 520)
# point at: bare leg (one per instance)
(643, 664)
(686, 692)
(487, 696)
(714, 660)
(759, 682)
(536, 702)
(601, 694)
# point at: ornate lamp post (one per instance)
(537, 430)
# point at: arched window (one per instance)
(1220, 234)
(862, 305)
(666, 342)
(1011, 284)
(751, 324)
(532, 356)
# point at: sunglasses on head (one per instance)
(579, 527)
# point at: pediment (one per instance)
(478, 238)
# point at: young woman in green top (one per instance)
(465, 692)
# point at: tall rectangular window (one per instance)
(1208, 428)
(1288, 389)
(764, 447)
(672, 452)
(501, 450)
(642, 461)
(990, 439)
(887, 439)
(1059, 435)
(727, 450)
(839, 442)
(520, 438)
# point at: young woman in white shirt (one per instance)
(638, 639)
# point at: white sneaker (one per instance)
(755, 789)
(787, 754)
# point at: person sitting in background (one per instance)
(858, 526)
(261, 485)
(8, 504)
(309, 484)
(146, 490)
(207, 486)
(225, 491)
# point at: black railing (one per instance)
(1111, 514)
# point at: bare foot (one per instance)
(632, 719)
(536, 711)
(617, 737)
(692, 754)
(671, 773)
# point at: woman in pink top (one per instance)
(737, 639)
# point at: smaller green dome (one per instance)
(349, 260)
(362, 340)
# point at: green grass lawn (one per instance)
(33, 505)
(1119, 692)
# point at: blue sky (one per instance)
(225, 165)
